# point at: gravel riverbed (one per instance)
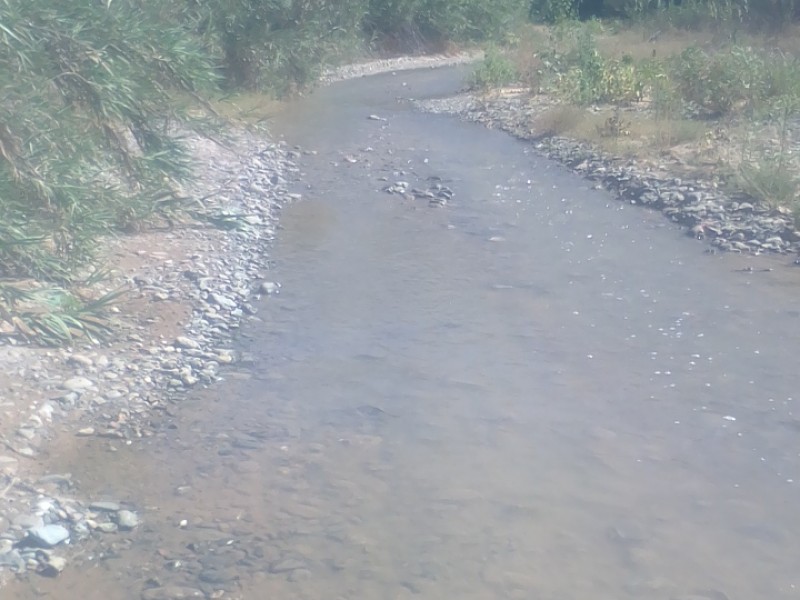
(401, 63)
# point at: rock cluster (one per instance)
(436, 194)
(43, 523)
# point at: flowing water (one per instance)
(534, 392)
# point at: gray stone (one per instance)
(48, 536)
(12, 559)
(172, 592)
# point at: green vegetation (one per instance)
(644, 92)
(495, 70)
(96, 96)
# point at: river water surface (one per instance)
(534, 392)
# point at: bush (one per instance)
(85, 146)
(740, 79)
(274, 44)
(495, 70)
(590, 77)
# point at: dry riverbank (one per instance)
(189, 289)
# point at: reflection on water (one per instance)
(536, 393)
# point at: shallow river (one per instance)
(534, 392)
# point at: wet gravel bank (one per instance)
(727, 221)
(190, 289)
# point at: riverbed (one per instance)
(493, 382)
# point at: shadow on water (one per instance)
(533, 392)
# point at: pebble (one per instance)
(269, 287)
(127, 520)
(77, 384)
(104, 506)
(186, 342)
(172, 593)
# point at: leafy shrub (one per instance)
(495, 70)
(770, 181)
(742, 78)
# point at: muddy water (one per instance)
(533, 392)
